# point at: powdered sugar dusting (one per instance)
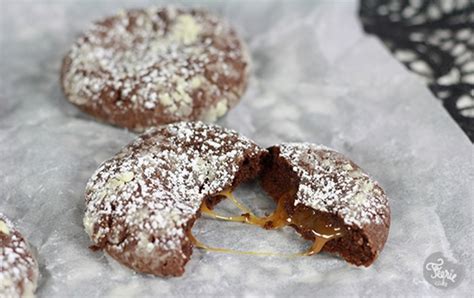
(163, 64)
(330, 182)
(140, 201)
(18, 268)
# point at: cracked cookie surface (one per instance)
(18, 266)
(141, 203)
(142, 68)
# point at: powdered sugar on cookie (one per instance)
(159, 65)
(140, 202)
(18, 267)
(329, 182)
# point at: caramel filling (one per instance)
(305, 220)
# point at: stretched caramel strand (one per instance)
(323, 232)
(209, 212)
(276, 220)
(317, 245)
(236, 202)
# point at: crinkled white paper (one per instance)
(316, 78)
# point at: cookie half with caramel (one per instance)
(142, 203)
(328, 199)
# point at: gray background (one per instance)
(316, 77)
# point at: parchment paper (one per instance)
(316, 78)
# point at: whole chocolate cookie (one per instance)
(328, 197)
(142, 203)
(142, 68)
(18, 266)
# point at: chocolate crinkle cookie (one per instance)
(141, 68)
(141, 203)
(18, 266)
(321, 184)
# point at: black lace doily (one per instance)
(435, 39)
